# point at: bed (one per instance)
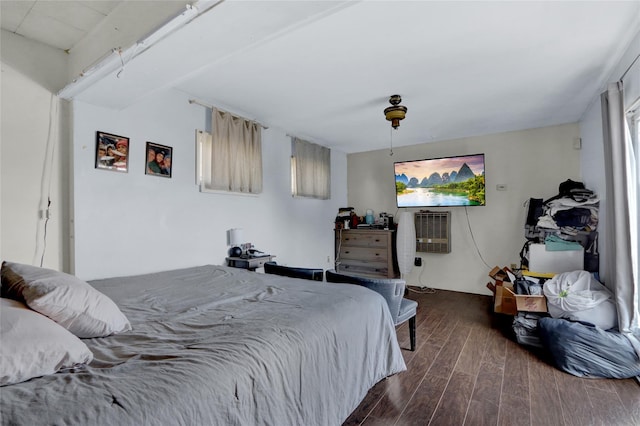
(214, 345)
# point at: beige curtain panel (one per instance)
(310, 170)
(231, 157)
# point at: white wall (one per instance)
(592, 155)
(130, 223)
(31, 72)
(531, 163)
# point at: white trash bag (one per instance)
(578, 296)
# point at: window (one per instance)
(310, 170)
(230, 158)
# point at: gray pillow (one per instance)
(33, 345)
(67, 300)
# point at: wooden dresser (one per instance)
(368, 252)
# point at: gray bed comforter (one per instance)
(213, 345)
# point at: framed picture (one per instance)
(112, 152)
(158, 160)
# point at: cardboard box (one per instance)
(509, 303)
(525, 302)
(505, 301)
(541, 260)
(499, 274)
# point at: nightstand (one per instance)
(251, 262)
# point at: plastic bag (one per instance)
(588, 351)
(579, 296)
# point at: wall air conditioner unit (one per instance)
(433, 232)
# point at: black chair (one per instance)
(392, 289)
(293, 272)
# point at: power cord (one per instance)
(46, 222)
(474, 239)
(46, 175)
(422, 288)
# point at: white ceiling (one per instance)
(60, 24)
(324, 70)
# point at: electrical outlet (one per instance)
(417, 261)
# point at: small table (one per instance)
(251, 263)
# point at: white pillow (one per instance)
(67, 300)
(32, 345)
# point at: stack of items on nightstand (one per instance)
(346, 218)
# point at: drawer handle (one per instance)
(347, 252)
(377, 240)
(377, 254)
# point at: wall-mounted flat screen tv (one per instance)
(440, 182)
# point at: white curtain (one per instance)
(231, 157)
(621, 171)
(310, 169)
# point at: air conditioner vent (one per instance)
(433, 232)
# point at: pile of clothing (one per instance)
(570, 216)
(574, 209)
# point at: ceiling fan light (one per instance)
(394, 114)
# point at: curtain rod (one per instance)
(193, 101)
(627, 70)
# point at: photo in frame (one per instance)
(158, 160)
(112, 152)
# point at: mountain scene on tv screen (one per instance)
(443, 187)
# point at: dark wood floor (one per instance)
(467, 370)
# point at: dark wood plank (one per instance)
(454, 403)
(608, 408)
(601, 384)
(516, 371)
(489, 384)
(441, 331)
(485, 400)
(448, 356)
(543, 392)
(515, 411)
(374, 421)
(471, 356)
(481, 414)
(368, 403)
(573, 397)
(420, 409)
(468, 369)
(401, 387)
(629, 393)
(495, 351)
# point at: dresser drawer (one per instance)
(366, 252)
(370, 254)
(374, 269)
(365, 239)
